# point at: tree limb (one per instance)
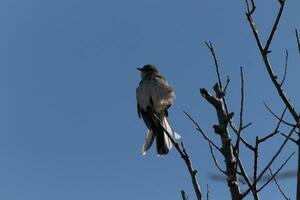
(185, 156)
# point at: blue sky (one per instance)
(69, 127)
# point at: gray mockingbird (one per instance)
(154, 97)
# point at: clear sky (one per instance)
(68, 122)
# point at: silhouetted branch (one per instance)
(264, 53)
(298, 40)
(266, 49)
(237, 145)
(222, 130)
(207, 192)
(269, 163)
(279, 118)
(185, 156)
(250, 9)
(277, 171)
(227, 83)
(276, 128)
(192, 173)
(285, 67)
(202, 132)
(211, 48)
(184, 197)
(278, 186)
(215, 160)
(292, 139)
(246, 126)
(244, 174)
(220, 86)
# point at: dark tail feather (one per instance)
(161, 147)
(163, 142)
(155, 130)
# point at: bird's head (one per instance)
(148, 70)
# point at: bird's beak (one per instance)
(139, 69)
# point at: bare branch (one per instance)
(242, 99)
(279, 118)
(192, 173)
(298, 40)
(264, 53)
(278, 186)
(255, 166)
(277, 171)
(268, 136)
(185, 156)
(247, 125)
(184, 197)
(220, 87)
(211, 48)
(285, 67)
(244, 174)
(222, 130)
(251, 9)
(215, 159)
(292, 139)
(253, 27)
(282, 2)
(207, 192)
(235, 130)
(270, 162)
(237, 145)
(276, 128)
(227, 83)
(202, 132)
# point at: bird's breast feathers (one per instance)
(156, 90)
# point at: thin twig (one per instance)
(253, 7)
(185, 156)
(285, 67)
(222, 92)
(184, 197)
(270, 162)
(211, 48)
(281, 119)
(247, 125)
(278, 186)
(227, 83)
(264, 53)
(244, 174)
(235, 130)
(255, 166)
(215, 160)
(207, 192)
(192, 173)
(237, 145)
(242, 99)
(268, 136)
(202, 132)
(298, 40)
(282, 2)
(292, 139)
(277, 171)
(276, 128)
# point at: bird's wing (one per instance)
(163, 93)
(138, 107)
(164, 83)
(138, 110)
(148, 118)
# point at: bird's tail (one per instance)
(148, 141)
(163, 142)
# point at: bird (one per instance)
(154, 96)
